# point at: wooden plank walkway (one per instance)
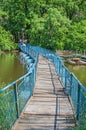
(49, 108)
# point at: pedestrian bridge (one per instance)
(48, 97)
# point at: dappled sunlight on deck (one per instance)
(49, 108)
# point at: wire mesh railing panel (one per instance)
(23, 94)
(63, 74)
(82, 107)
(67, 81)
(13, 100)
(15, 95)
(25, 90)
(72, 85)
(74, 92)
(7, 110)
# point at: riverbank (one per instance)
(78, 69)
(75, 61)
(13, 51)
(72, 58)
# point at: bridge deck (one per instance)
(49, 108)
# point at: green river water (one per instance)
(79, 71)
(10, 68)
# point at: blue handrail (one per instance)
(11, 84)
(15, 95)
(73, 87)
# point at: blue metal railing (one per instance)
(15, 95)
(72, 85)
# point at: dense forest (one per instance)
(53, 24)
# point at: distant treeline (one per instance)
(53, 24)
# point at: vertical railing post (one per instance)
(59, 67)
(71, 76)
(78, 103)
(34, 75)
(16, 100)
(65, 78)
(62, 75)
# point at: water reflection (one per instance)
(10, 68)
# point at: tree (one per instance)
(56, 27)
(6, 40)
(50, 24)
(76, 37)
(48, 31)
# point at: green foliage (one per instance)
(3, 18)
(55, 27)
(49, 30)
(82, 127)
(76, 37)
(5, 40)
(57, 24)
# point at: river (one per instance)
(79, 71)
(10, 68)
